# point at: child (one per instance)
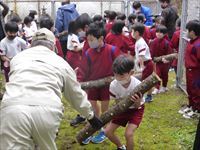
(74, 46)
(10, 46)
(161, 46)
(192, 65)
(97, 64)
(146, 34)
(121, 87)
(116, 38)
(131, 19)
(111, 18)
(175, 43)
(27, 28)
(122, 17)
(47, 22)
(157, 22)
(142, 54)
(82, 24)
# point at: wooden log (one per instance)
(169, 57)
(103, 82)
(120, 107)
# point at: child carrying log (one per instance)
(161, 46)
(97, 64)
(121, 87)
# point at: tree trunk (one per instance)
(103, 82)
(169, 57)
(120, 107)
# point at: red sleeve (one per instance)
(152, 49)
(198, 51)
(169, 48)
(116, 53)
(175, 41)
(59, 48)
(83, 70)
(130, 46)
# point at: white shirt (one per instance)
(118, 91)
(38, 77)
(10, 48)
(33, 26)
(73, 42)
(142, 49)
(28, 33)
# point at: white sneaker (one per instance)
(163, 90)
(191, 114)
(184, 110)
(155, 91)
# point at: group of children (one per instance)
(102, 47)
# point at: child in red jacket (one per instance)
(116, 38)
(175, 43)
(192, 65)
(161, 46)
(97, 64)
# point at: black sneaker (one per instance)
(78, 120)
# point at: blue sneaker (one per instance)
(149, 98)
(99, 138)
(87, 141)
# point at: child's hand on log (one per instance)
(165, 61)
(137, 98)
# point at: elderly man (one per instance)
(31, 109)
(2, 15)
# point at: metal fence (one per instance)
(190, 10)
(22, 7)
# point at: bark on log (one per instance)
(103, 82)
(169, 57)
(120, 107)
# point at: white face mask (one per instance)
(20, 27)
(94, 44)
(82, 34)
(36, 17)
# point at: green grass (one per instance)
(162, 127)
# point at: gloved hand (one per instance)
(95, 122)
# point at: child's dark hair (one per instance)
(72, 27)
(11, 27)
(83, 20)
(46, 22)
(178, 22)
(136, 5)
(194, 25)
(118, 26)
(138, 27)
(97, 18)
(27, 20)
(96, 30)
(162, 1)
(121, 16)
(112, 15)
(161, 29)
(32, 13)
(141, 18)
(131, 17)
(16, 19)
(106, 13)
(123, 64)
